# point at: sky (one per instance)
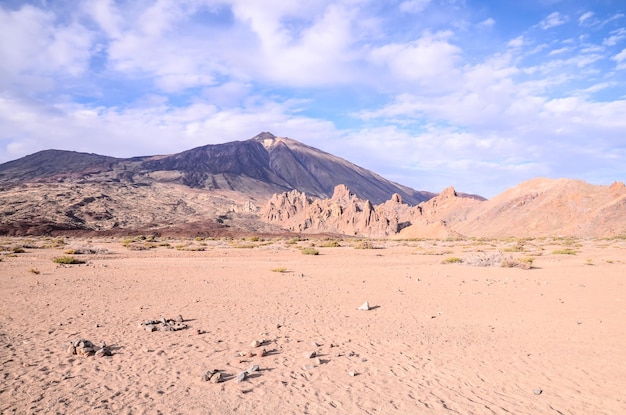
(476, 94)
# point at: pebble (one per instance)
(241, 377)
(310, 355)
(365, 306)
(216, 378)
(252, 369)
(538, 391)
(255, 343)
(308, 367)
(353, 374)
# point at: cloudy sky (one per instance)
(479, 94)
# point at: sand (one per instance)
(439, 338)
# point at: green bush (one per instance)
(67, 260)
(309, 251)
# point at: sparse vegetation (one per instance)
(18, 250)
(330, 244)
(280, 269)
(366, 244)
(452, 260)
(309, 251)
(67, 260)
(566, 251)
(34, 271)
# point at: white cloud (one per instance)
(584, 18)
(34, 47)
(553, 20)
(487, 23)
(616, 37)
(518, 42)
(429, 61)
(414, 6)
(620, 58)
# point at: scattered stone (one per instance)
(310, 355)
(353, 374)
(97, 325)
(241, 377)
(315, 344)
(86, 348)
(308, 367)
(255, 343)
(252, 369)
(208, 375)
(365, 306)
(71, 349)
(216, 378)
(164, 324)
(103, 352)
(263, 353)
(318, 361)
(537, 391)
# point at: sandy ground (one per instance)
(440, 338)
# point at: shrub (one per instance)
(452, 260)
(330, 244)
(67, 260)
(309, 251)
(566, 251)
(18, 250)
(34, 271)
(281, 269)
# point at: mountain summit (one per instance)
(260, 166)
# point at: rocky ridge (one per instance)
(539, 207)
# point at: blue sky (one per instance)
(481, 95)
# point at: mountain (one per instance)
(205, 188)
(536, 208)
(260, 166)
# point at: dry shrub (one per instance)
(497, 259)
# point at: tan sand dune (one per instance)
(439, 338)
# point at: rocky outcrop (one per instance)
(346, 214)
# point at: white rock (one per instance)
(365, 306)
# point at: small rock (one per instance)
(216, 378)
(207, 375)
(351, 373)
(308, 367)
(537, 391)
(179, 319)
(255, 343)
(318, 361)
(315, 344)
(263, 353)
(241, 377)
(71, 349)
(97, 325)
(252, 369)
(103, 352)
(310, 355)
(365, 306)
(151, 328)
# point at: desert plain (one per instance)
(544, 334)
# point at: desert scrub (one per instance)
(280, 269)
(34, 271)
(67, 260)
(18, 250)
(330, 244)
(452, 260)
(309, 251)
(523, 263)
(364, 245)
(566, 251)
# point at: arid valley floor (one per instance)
(441, 336)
